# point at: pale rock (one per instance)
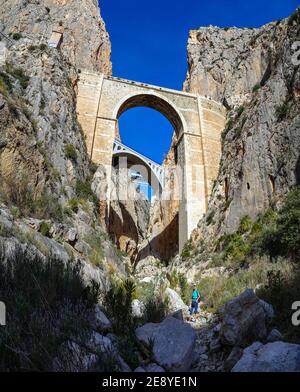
(175, 301)
(151, 368)
(244, 319)
(138, 308)
(173, 343)
(72, 236)
(272, 357)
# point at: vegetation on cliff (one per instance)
(48, 307)
(263, 255)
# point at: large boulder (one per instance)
(174, 341)
(271, 357)
(151, 368)
(175, 301)
(245, 320)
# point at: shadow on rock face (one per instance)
(164, 245)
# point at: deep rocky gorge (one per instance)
(130, 283)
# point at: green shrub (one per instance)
(217, 290)
(224, 134)
(5, 83)
(238, 132)
(43, 47)
(118, 305)
(13, 108)
(282, 111)
(187, 250)
(184, 288)
(96, 255)
(178, 281)
(45, 228)
(15, 212)
(19, 74)
(3, 89)
(17, 192)
(282, 237)
(32, 48)
(84, 191)
(256, 88)
(48, 305)
(17, 36)
(282, 289)
(235, 249)
(210, 217)
(245, 224)
(156, 309)
(239, 111)
(73, 204)
(230, 124)
(42, 103)
(70, 152)
(264, 253)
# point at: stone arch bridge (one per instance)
(198, 122)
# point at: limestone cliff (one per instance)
(39, 88)
(85, 41)
(45, 173)
(225, 64)
(256, 74)
(49, 214)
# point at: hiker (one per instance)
(195, 300)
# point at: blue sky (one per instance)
(149, 44)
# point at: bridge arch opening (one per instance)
(140, 169)
(140, 110)
(156, 102)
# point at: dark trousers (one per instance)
(194, 307)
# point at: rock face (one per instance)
(254, 72)
(225, 64)
(244, 320)
(40, 139)
(272, 357)
(152, 367)
(173, 343)
(128, 218)
(175, 301)
(85, 41)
